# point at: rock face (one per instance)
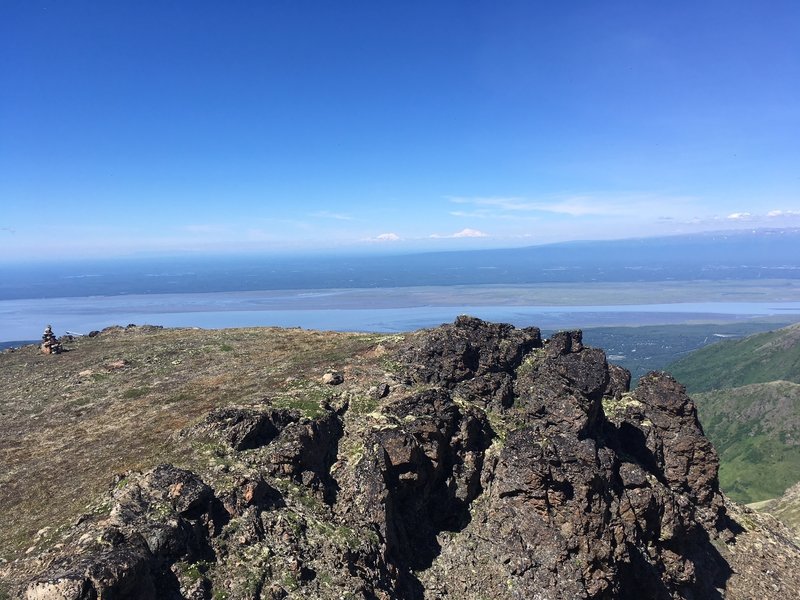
(157, 518)
(489, 463)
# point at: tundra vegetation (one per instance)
(471, 460)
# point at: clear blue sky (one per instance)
(162, 126)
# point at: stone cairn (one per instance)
(50, 343)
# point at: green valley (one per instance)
(747, 393)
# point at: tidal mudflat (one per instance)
(550, 306)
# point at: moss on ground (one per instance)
(115, 402)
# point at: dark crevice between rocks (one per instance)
(430, 482)
(631, 443)
(306, 451)
(247, 429)
(638, 578)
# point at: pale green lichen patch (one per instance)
(530, 361)
(617, 407)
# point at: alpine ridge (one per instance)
(473, 460)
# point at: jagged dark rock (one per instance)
(497, 464)
(305, 451)
(475, 358)
(418, 478)
(245, 429)
(156, 519)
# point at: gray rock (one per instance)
(333, 378)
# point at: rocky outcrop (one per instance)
(156, 519)
(245, 429)
(492, 464)
(418, 475)
(586, 506)
(474, 358)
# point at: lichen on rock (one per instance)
(489, 463)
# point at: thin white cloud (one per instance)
(385, 237)
(783, 213)
(326, 214)
(577, 205)
(506, 203)
(517, 204)
(581, 206)
(773, 218)
(464, 233)
(258, 235)
(8, 229)
(470, 233)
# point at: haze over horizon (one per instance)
(366, 126)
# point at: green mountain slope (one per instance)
(759, 358)
(786, 508)
(748, 398)
(756, 430)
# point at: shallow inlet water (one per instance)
(379, 310)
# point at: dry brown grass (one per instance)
(114, 402)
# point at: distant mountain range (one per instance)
(763, 253)
(748, 398)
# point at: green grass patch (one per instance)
(363, 405)
(137, 392)
(181, 397)
(309, 406)
(193, 571)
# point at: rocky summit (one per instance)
(470, 461)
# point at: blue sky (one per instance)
(153, 127)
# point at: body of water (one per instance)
(380, 310)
